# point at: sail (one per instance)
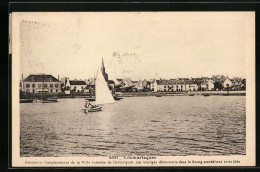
(103, 94)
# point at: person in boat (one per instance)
(89, 105)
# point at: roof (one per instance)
(190, 82)
(126, 82)
(164, 82)
(174, 82)
(232, 80)
(77, 82)
(183, 79)
(205, 82)
(138, 85)
(41, 78)
(169, 82)
(197, 79)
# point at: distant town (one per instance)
(43, 83)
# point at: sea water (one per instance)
(161, 126)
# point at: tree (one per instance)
(238, 79)
(218, 85)
(218, 78)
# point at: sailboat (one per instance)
(103, 94)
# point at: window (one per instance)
(33, 85)
(165, 86)
(33, 91)
(45, 85)
(56, 90)
(56, 85)
(39, 85)
(27, 85)
(51, 85)
(51, 90)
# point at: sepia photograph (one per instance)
(133, 88)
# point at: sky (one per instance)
(139, 45)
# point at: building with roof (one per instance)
(138, 86)
(191, 86)
(41, 83)
(184, 79)
(207, 85)
(228, 83)
(78, 86)
(153, 85)
(164, 85)
(126, 85)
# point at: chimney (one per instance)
(58, 77)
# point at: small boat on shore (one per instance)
(206, 95)
(191, 94)
(158, 95)
(91, 99)
(226, 94)
(26, 100)
(117, 98)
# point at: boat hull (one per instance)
(93, 109)
(26, 100)
(91, 99)
(118, 98)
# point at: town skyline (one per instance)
(134, 45)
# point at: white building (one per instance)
(207, 85)
(153, 85)
(39, 83)
(191, 86)
(228, 83)
(77, 85)
(170, 85)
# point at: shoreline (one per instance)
(144, 94)
(195, 93)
